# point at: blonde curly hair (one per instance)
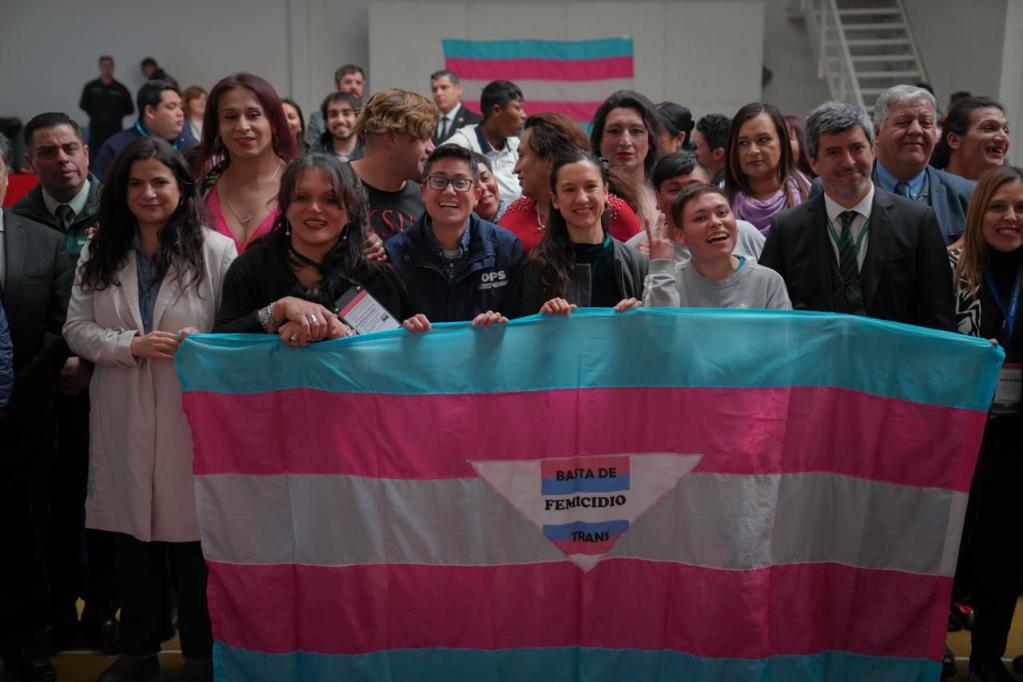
(397, 111)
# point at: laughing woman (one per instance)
(988, 266)
(149, 276)
(577, 263)
(715, 277)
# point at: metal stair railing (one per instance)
(830, 47)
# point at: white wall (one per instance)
(49, 48)
(795, 87)
(705, 54)
(1010, 90)
(960, 44)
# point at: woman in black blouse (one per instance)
(988, 265)
(289, 281)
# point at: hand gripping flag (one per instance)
(651, 496)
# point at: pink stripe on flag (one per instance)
(541, 69)
(577, 111)
(794, 609)
(738, 431)
(592, 548)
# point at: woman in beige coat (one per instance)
(151, 275)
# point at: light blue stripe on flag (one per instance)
(538, 49)
(564, 531)
(699, 348)
(570, 663)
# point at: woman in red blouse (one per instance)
(547, 137)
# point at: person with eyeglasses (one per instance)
(455, 265)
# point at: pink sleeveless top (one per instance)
(216, 213)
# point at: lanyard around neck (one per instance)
(1008, 314)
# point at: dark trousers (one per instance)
(991, 557)
(144, 571)
(24, 468)
(81, 563)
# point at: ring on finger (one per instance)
(313, 319)
(293, 338)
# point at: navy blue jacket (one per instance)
(487, 276)
(119, 141)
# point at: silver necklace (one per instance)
(246, 219)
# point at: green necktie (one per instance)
(848, 267)
(902, 189)
(64, 214)
(847, 264)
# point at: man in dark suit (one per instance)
(855, 248)
(905, 119)
(447, 95)
(35, 285)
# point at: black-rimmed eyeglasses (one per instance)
(441, 182)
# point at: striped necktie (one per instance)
(847, 264)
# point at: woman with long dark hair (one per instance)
(987, 263)
(547, 137)
(290, 281)
(578, 263)
(626, 132)
(246, 144)
(762, 176)
(149, 276)
(296, 123)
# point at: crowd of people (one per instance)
(227, 211)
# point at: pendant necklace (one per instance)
(246, 219)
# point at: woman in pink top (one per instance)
(244, 150)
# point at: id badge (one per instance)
(1009, 391)
(363, 313)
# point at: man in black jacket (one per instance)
(35, 281)
(67, 200)
(855, 248)
(107, 102)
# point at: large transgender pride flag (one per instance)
(569, 76)
(651, 496)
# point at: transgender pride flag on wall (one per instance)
(654, 496)
(569, 76)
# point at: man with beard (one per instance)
(855, 248)
(339, 110)
(395, 128)
(905, 119)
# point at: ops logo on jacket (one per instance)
(493, 280)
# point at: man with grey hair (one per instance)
(856, 248)
(906, 122)
(35, 285)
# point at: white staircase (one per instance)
(862, 47)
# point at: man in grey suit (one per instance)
(35, 285)
(856, 248)
(906, 124)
